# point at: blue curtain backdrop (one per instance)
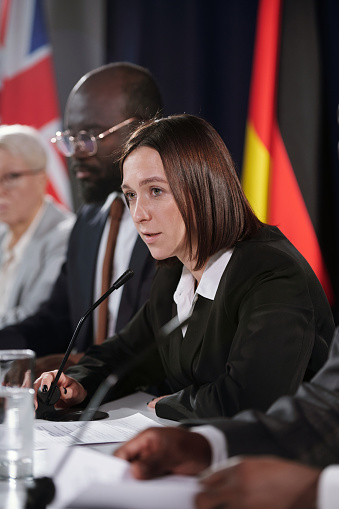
(201, 55)
(199, 51)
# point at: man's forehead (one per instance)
(89, 107)
(92, 118)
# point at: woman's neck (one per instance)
(197, 274)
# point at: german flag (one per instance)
(281, 160)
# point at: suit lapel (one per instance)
(182, 351)
(129, 298)
(86, 252)
(84, 246)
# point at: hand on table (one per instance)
(260, 483)
(71, 392)
(154, 401)
(160, 451)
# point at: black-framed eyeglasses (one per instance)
(12, 178)
(85, 142)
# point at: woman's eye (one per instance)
(156, 191)
(129, 196)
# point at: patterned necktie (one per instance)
(115, 214)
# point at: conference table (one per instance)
(13, 493)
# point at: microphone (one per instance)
(47, 400)
(44, 489)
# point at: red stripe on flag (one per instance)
(21, 95)
(288, 211)
(50, 189)
(263, 84)
(5, 9)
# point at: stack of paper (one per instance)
(85, 478)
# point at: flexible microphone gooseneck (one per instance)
(47, 400)
(43, 491)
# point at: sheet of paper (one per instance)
(47, 433)
(167, 493)
(80, 467)
(90, 479)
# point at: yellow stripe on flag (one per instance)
(255, 175)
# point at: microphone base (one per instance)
(71, 415)
(48, 412)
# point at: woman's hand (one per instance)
(71, 392)
(154, 401)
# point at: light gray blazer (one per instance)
(41, 263)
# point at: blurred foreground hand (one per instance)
(259, 483)
(161, 451)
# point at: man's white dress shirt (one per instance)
(126, 239)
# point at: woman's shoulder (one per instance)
(267, 233)
(268, 248)
(267, 237)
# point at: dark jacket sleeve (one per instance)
(131, 354)
(304, 427)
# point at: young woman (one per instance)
(259, 311)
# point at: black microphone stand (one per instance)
(47, 400)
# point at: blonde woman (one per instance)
(34, 230)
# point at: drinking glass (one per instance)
(16, 413)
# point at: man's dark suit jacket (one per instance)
(51, 328)
(246, 348)
(304, 427)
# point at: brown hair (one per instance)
(203, 180)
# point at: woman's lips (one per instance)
(149, 238)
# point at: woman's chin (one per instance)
(158, 256)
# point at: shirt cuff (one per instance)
(328, 488)
(217, 441)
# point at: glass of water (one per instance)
(16, 413)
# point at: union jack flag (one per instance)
(28, 92)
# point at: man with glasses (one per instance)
(99, 113)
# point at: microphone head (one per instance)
(123, 279)
(41, 494)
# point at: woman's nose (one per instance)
(141, 211)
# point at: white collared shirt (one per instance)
(126, 239)
(328, 488)
(185, 296)
(12, 258)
